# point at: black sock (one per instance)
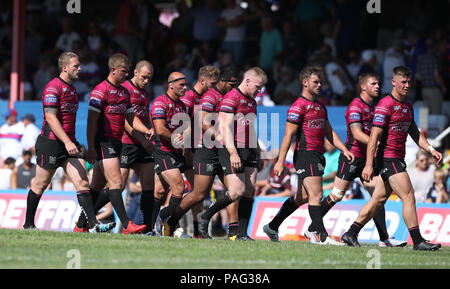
(115, 195)
(218, 205)
(32, 204)
(87, 208)
(325, 205)
(244, 213)
(168, 211)
(355, 228)
(195, 225)
(147, 200)
(289, 206)
(156, 206)
(99, 199)
(415, 235)
(317, 221)
(380, 223)
(233, 229)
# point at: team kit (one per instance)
(208, 131)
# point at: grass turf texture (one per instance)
(49, 250)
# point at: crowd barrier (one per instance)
(59, 210)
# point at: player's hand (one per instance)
(349, 155)
(91, 156)
(177, 140)
(278, 168)
(235, 161)
(71, 148)
(437, 156)
(151, 133)
(367, 173)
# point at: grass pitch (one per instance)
(57, 250)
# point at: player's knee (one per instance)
(337, 194)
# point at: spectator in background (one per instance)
(24, 173)
(438, 192)
(95, 40)
(310, 14)
(422, 176)
(127, 29)
(393, 57)
(331, 165)
(181, 27)
(67, 39)
(353, 65)
(277, 186)
(6, 172)
(43, 75)
(433, 86)
(224, 58)
(134, 199)
(270, 43)
(231, 20)
(287, 87)
(206, 22)
(10, 136)
(337, 77)
(346, 29)
(369, 59)
(30, 134)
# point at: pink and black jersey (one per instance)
(62, 96)
(395, 118)
(140, 100)
(191, 99)
(210, 102)
(310, 116)
(113, 103)
(244, 109)
(358, 111)
(165, 108)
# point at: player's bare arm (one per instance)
(358, 134)
(422, 142)
(51, 117)
(289, 132)
(227, 120)
(137, 124)
(375, 134)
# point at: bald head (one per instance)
(176, 85)
(175, 76)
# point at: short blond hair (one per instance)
(401, 71)
(64, 59)
(258, 72)
(144, 63)
(208, 72)
(438, 173)
(119, 60)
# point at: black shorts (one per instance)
(206, 162)
(131, 154)
(249, 159)
(107, 148)
(349, 171)
(309, 163)
(165, 161)
(51, 154)
(392, 167)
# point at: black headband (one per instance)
(176, 79)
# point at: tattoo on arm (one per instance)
(51, 110)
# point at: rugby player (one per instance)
(359, 117)
(109, 108)
(57, 146)
(307, 120)
(168, 145)
(240, 153)
(393, 121)
(206, 159)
